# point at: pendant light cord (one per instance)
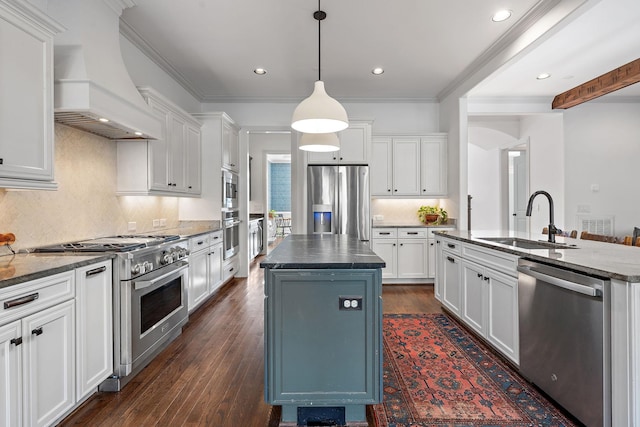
(319, 40)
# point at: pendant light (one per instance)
(319, 142)
(319, 113)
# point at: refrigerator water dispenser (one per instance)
(322, 219)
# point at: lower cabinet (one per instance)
(404, 251)
(56, 344)
(205, 267)
(480, 286)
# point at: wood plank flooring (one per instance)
(212, 375)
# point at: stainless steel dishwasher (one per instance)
(565, 338)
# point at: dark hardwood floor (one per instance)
(212, 375)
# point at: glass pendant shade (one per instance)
(319, 113)
(319, 142)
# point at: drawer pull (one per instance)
(37, 331)
(16, 341)
(384, 233)
(412, 232)
(21, 301)
(479, 274)
(96, 271)
(201, 242)
(451, 245)
(451, 259)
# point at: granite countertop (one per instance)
(23, 267)
(610, 260)
(329, 251)
(416, 224)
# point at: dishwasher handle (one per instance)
(575, 287)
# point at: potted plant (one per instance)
(432, 214)
(272, 213)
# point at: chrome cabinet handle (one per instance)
(96, 271)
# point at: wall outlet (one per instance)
(163, 222)
(131, 226)
(156, 223)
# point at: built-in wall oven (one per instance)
(231, 225)
(229, 190)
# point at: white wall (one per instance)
(259, 145)
(602, 142)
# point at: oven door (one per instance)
(229, 190)
(155, 311)
(231, 237)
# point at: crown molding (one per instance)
(119, 5)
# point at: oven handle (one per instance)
(141, 284)
(231, 224)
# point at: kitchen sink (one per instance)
(527, 244)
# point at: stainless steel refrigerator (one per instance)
(338, 200)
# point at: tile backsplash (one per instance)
(85, 204)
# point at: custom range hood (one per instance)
(92, 88)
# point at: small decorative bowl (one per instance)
(430, 218)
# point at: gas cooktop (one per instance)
(122, 243)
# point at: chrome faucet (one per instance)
(552, 228)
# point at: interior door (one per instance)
(520, 192)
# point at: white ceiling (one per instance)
(425, 46)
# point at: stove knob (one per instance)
(182, 253)
(136, 269)
(167, 259)
(148, 266)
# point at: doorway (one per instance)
(516, 174)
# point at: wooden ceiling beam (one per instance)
(609, 82)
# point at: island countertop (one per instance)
(611, 260)
(311, 251)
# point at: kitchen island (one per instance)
(494, 256)
(323, 329)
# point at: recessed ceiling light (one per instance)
(501, 15)
(543, 76)
(260, 71)
(138, 133)
(103, 120)
(377, 71)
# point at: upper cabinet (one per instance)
(409, 166)
(230, 146)
(26, 100)
(354, 146)
(168, 166)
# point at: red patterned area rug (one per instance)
(437, 374)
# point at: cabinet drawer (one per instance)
(385, 233)
(199, 243)
(497, 260)
(412, 233)
(430, 231)
(27, 298)
(449, 245)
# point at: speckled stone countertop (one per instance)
(22, 267)
(596, 258)
(322, 251)
(416, 224)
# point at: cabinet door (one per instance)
(329, 158)
(177, 154)
(474, 295)
(431, 258)
(230, 147)
(49, 364)
(159, 151)
(503, 314)
(412, 258)
(26, 100)
(215, 267)
(406, 166)
(10, 375)
(452, 272)
(381, 165)
(354, 142)
(94, 326)
(387, 250)
(433, 165)
(438, 281)
(193, 173)
(198, 278)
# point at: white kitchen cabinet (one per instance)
(354, 146)
(94, 327)
(169, 166)
(474, 296)
(48, 364)
(230, 268)
(502, 328)
(433, 165)
(205, 267)
(10, 375)
(404, 251)
(26, 100)
(431, 252)
(409, 166)
(230, 146)
(451, 276)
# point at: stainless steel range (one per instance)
(150, 277)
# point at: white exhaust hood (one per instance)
(92, 88)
